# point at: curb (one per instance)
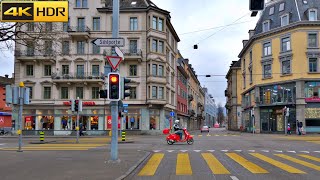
(45, 142)
(134, 166)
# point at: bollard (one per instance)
(41, 136)
(123, 136)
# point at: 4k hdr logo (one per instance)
(34, 11)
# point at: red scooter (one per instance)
(173, 138)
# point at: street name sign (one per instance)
(109, 42)
(114, 61)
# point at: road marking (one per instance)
(183, 164)
(156, 151)
(247, 164)
(197, 150)
(234, 178)
(317, 151)
(292, 151)
(152, 165)
(252, 150)
(183, 150)
(208, 135)
(224, 150)
(170, 150)
(200, 135)
(310, 157)
(2, 144)
(278, 164)
(278, 151)
(305, 152)
(216, 135)
(265, 150)
(52, 149)
(225, 135)
(295, 160)
(211, 150)
(214, 164)
(238, 150)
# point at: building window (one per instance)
(48, 47)
(161, 46)
(133, 70)
(64, 93)
(133, 46)
(95, 92)
(312, 89)
(284, 20)
(81, 3)
(244, 64)
(154, 92)
(267, 49)
(65, 69)
(95, 49)
(95, 70)
(30, 48)
(312, 40)
(313, 65)
(81, 25)
(46, 92)
(160, 24)
(133, 93)
(80, 47)
(154, 45)
(271, 11)
(286, 67)
(172, 60)
(251, 57)
(66, 25)
(161, 69)
(133, 23)
(31, 92)
(281, 7)
(96, 23)
(79, 92)
(154, 70)
(267, 71)
(47, 70)
(65, 47)
(244, 80)
(48, 26)
(80, 70)
(250, 71)
(265, 26)
(285, 44)
(30, 26)
(29, 70)
(313, 15)
(154, 22)
(161, 91)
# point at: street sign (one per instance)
(114, 61)
(109, 42)
(125, 111)
(125, 105)
(119, 52)
(172, 113)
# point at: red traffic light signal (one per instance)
(114, 86)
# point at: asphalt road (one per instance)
(233, 156)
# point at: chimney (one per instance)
(6, 75)
(251, 33)
(244, 42)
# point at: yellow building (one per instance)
(280, 68)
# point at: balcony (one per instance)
(34, 55)
(77, 77)
(157, 79)
(191, 112)
(190, 97)
(157, 101)
(79, 32)
(129, 54)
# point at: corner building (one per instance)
(72, 67)
(280, 68)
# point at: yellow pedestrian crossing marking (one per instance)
(247, 164)
(310, 157)
(183, 164)
(214, 164)
(278, 164)
(295, 160)
(152, 165)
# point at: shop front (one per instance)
(312, 111)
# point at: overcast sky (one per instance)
(214, 54)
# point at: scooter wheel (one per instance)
(190, 141)
(170, 142)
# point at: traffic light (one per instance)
(114, 86)
(125, 87)
(72, 103)
(256, 5)
(8, 94)
(76, 105)
(103, 93)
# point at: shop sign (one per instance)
(313, 99)
(109, 122)
(89, 103)
(312, 113)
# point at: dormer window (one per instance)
(281, 8)
(312, 15)
(271, 11)
(285, 20)
(266, 26)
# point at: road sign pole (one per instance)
(21, 95)
(114, 104)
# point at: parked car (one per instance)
(204, 129)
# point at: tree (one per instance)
(220, 114)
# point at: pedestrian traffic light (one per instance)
(8, 94)
(103, 93)
(114, 86)
(125, 87)
(76, 105)
(256, 5)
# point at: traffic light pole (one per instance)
(77, 127)
(114, 104)
(21, 94)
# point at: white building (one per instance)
(70, 66)
(210, 108)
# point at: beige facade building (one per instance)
(71, 66)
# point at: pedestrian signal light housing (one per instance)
(114, 86)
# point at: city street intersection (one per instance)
(219, 154)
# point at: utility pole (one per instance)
(21, 95)
(114, 104)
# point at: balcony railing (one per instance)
(33, 52)
(190, 97)
(127, 52)
(88, 75)
(78, 29)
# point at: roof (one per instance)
(234, 65)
